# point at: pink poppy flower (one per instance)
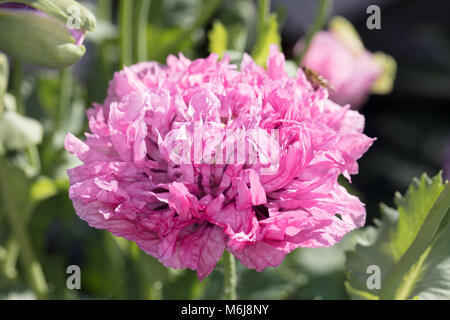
(197, 157)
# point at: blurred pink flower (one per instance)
(339, 56)
(161, 164)
(351, 73)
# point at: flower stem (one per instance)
(229, 276)
(9, 267)
(143, 7)
(126, 32)
(263, 14)
(104, 11)
(4, 78)
(203, 17)
(65, 95)
(17, 77)
(31, 265)
(319, 21)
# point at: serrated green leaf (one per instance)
(412, 255)
(218, 38)
(435, 271)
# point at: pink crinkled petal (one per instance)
(275, 63)
(197, 247)
(182, 201)
(263, 254)
(258, 195)
(90, 212)
(83, 151)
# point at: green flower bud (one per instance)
(44, 32)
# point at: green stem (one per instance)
(263, 15)
(64, 104)
(105, 13)
(392, 286)
(34, 160)
(13, 246)
(205, 15)
(31, 265)
(143, 7)
(229, 276)
(9, 267)
(126, 32)
(65, 95)
(104, 10)
(4, 78)
(17, 77)
(319, 21)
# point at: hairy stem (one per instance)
(229, 276)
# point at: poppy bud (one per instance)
(44, 32)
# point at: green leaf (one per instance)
(268, 34)
(218, 38)
(356, 294)
(410, 247)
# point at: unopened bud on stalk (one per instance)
(44, 32)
